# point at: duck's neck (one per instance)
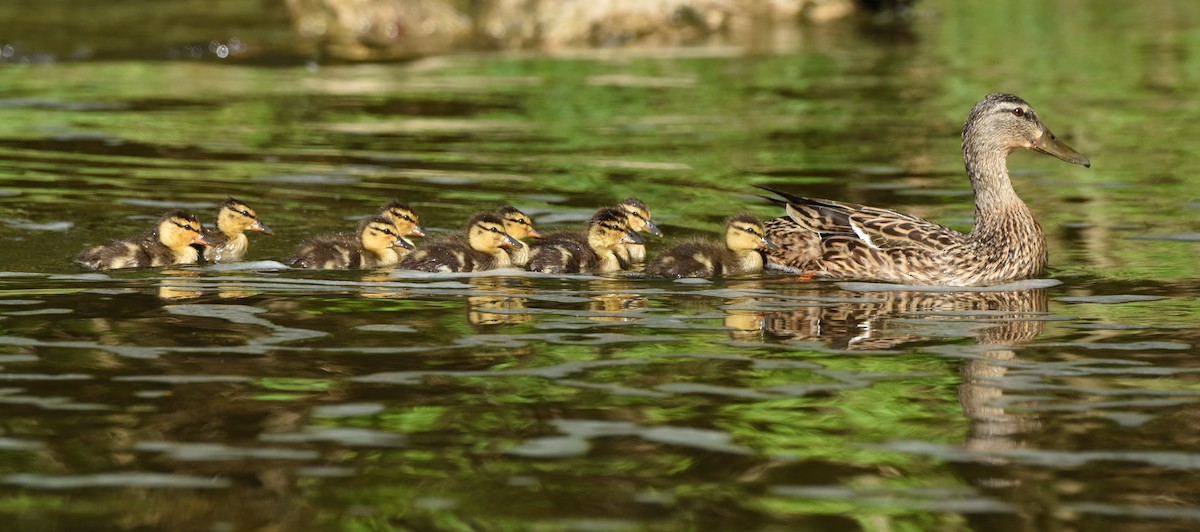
(999, 212)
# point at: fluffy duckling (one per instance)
(373, 246)
(482, 248)
(639, 222)
(228, 243)
(405, 218)
(519, 226)
(595, 251)
(741, 254)
(169, 243)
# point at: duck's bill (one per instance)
(416, 231)
(511, 243)
(403, 243)
(763, 243)
(533, 233)
(653, 229)
(1050, 145)
(200, 241)
(633, 238)
(262, 228)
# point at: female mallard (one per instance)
(519, 226)
(839, 240)
(374, 246)
(595, 251)
(639, 222)
(741, 254)
(228, 243)
(170, 243)
(480, 249)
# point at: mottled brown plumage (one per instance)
(592, 251)
(228, 242)
(739, 254)
(168, 244)
(374, 245)
(481, 248)
(848, 241)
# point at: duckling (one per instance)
(406, 219)
(519, 226)
(228, 243)
(169, 243)
(595, 251)
(639, 222)
(479, 250)
(741, 254)
(373, 246)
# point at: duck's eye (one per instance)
(494, 230)
(1018, 112)
(246, 214)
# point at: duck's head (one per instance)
(377, 234)
(745, 233)
(1004, 122)
(485, 232)
(235, 217)
(405, 219)
(609, 227)
(179, 229)
(517, 224)
(639, 216)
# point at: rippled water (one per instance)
(250, 395)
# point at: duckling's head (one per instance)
(517, 224)
(745, 233)
(639, 216)
(1005, 123)
(405, 219)
(378, 234)
(609, 227)
(485, 232)
(178, 229)
(235, 217)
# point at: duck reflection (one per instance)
(615, 298)
(179, 285)
(499, 304)
(885, 320)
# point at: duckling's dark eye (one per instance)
(494, 230)
(246, 214)
(1018, 112)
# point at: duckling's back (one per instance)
(332, 252)
(133, 252)
(447, 254)
(693, 258)
(562, 253)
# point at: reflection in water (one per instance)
(615, 298)
(182, 284)
(994, 319)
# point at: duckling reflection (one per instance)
(380, 285)
(498, 303)
(614, 298)
(182, 284)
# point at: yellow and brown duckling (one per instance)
(169, 243)
(376, 244)
(519, 226)
(404, 217)
(741, 254)
(839, 240)
(594, 251)
(639, 222)
(228, 242)
(481, 248)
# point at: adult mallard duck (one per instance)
(479, 249)
(169, 243)
(593, 251)
(740, 254)
(375, 245)
(832, 239)
(228, 243)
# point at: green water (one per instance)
(256, 397)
